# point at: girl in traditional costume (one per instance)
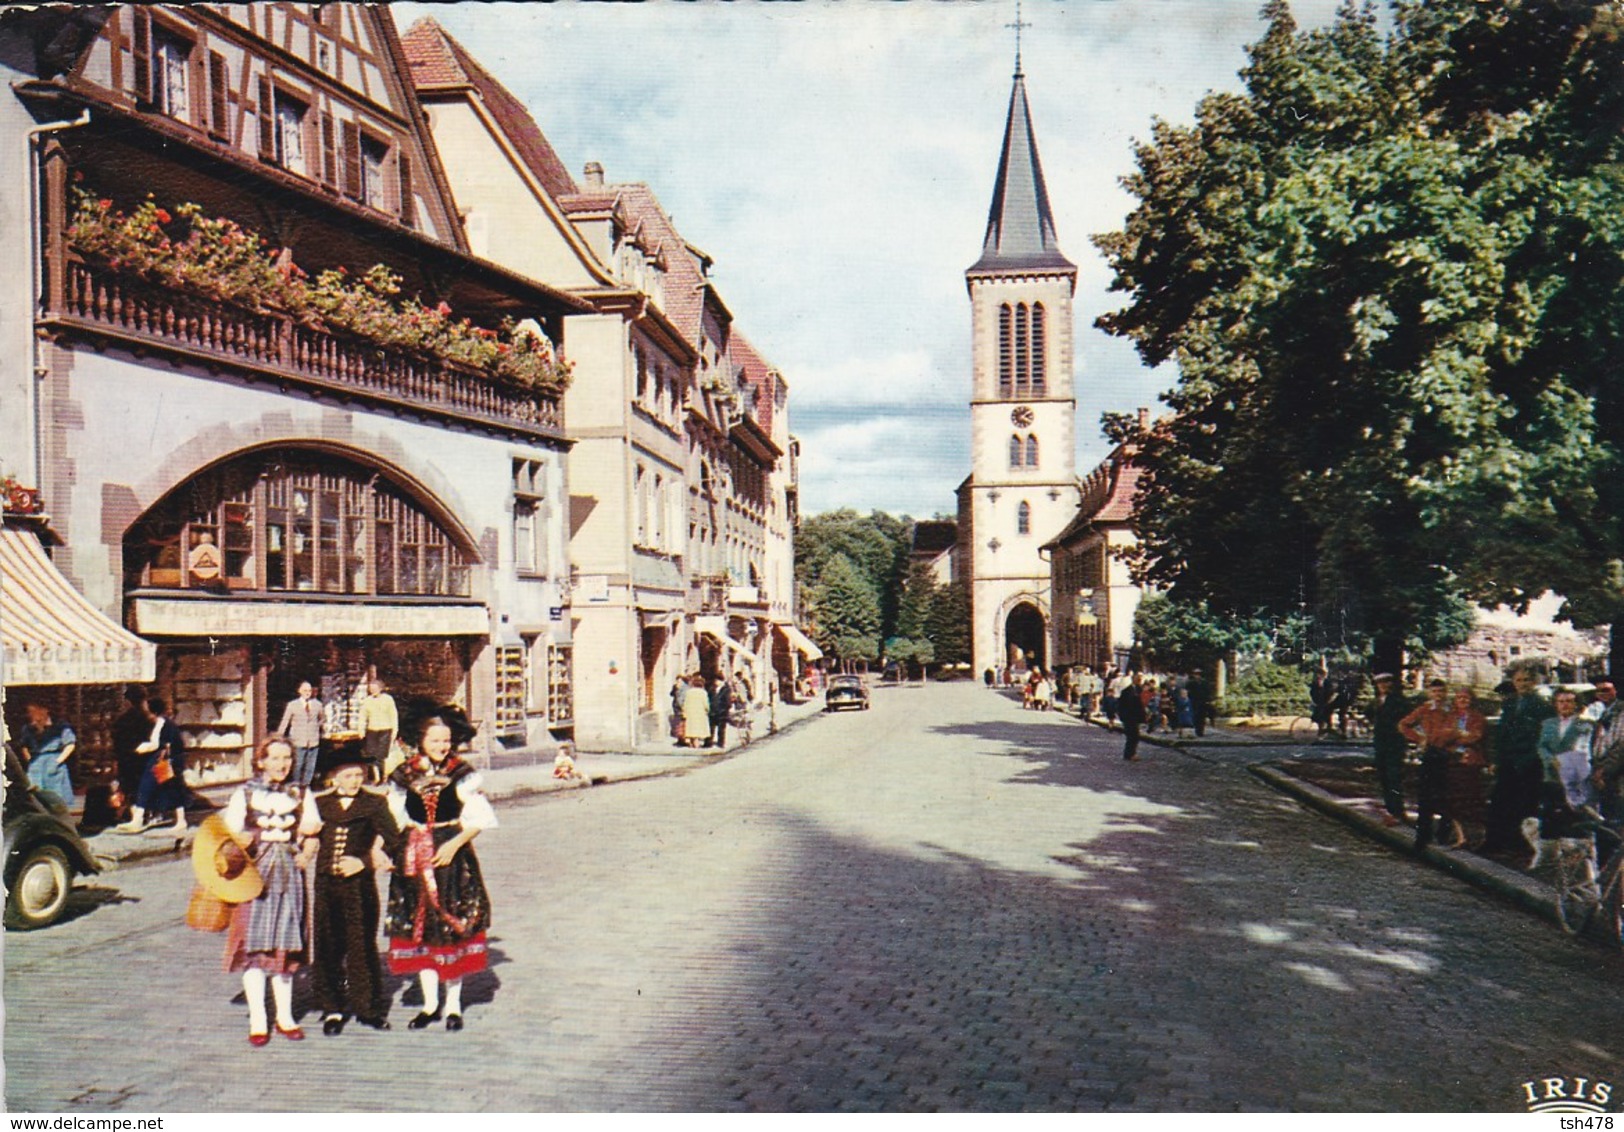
(266, 937)
(439, 909)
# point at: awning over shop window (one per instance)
(717, 627)
(800, 642)
(51, 634)
(180, 617)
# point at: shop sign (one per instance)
(170, 618)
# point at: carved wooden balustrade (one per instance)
(270, 343)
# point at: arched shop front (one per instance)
(285, 565)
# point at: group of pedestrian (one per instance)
(315, 905)
(701, 710)
(1554, 766)
(1038, 690)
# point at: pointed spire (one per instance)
(1020, 225)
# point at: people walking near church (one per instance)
(342, 825)
(1131, 710)
(1388, 744)
(265, 940)
(439, 909)
(130, 730)
(1517, 766)
(301, 725)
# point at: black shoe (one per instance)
(373, 1023)
(423, 1020)
(453, 1022)
(333, 1025)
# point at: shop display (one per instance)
(209, 694)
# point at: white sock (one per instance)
(453, 996)
(253, 989)
(430, 981)
(282, 991)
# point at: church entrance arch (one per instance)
(1026, 636)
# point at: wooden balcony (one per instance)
(267, 345)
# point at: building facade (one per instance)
(1022, 488)
(288, 426)
(680, 494)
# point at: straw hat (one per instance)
(222, 866)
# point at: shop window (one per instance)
(325, 526)
(560, 693)
(510, 689)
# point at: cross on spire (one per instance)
(1018, 25)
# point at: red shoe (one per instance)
(293, 1035)
(259, 1039)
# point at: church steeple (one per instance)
(1020, 226)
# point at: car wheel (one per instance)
(40, 889)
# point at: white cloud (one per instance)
(837, 159)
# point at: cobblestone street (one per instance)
(944, 903)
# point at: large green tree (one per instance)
(877, 544)
(947, 626)
(846, 612)
(1379, 270)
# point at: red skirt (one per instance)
(448, 960)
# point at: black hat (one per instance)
(419, 711)
(335, 756)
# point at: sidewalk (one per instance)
(1341, 783)
(517, 774)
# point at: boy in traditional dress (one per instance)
(342, 824)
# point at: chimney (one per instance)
(1144, 419)
(593, 174)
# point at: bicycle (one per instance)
(1585, 890)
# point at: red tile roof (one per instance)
(442, 65)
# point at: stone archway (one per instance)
(1026, 630)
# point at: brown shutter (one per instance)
(219, 107)
(198, 64)
(267, 122)
(352, 159)
(408, 211)
(141, 52)
(329, 150)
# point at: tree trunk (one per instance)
(1387, 655)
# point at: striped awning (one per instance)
(716, 629)
(800, 641)
(51, 635)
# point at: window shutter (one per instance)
(141, 51)
(329, 150)
(267, 122)
(352, 159)
(408, 213)
(198, 82)
(219, 108)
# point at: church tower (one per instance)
(1022, 489)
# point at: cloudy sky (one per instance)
(837, 157)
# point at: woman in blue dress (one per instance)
(266, 938)
(48, 745)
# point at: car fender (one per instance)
(27, 830)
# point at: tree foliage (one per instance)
(847, 621)
(1390, 274)
(877, 544)
(1179, 635)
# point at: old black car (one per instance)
(846, 691)
(44, 851)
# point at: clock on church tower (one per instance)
(1022, 416)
